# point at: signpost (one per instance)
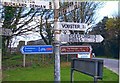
(72, 26)
(84, 55)
(75, 49)
(37, 49)
(47, 49)
(28, 3)
(56, 44)
(81, 38)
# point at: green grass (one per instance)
(47, 74)
(44, 71)
(29, 74)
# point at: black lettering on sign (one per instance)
(73, 26)
(70, 38)
(63, 25)
(83, 26)
(78, 37)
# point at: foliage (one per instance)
(15, 19)
(18, 19)
(84, 12)
(113, 27)
(109, 29)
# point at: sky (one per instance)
(110, 9)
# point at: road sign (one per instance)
(5, 32)
(72, 26)
(28, 3)
(81, 38)
(84, 55)
(75, 49)
(37, 49)
(91, 67)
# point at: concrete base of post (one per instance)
(95, 79)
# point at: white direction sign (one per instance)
(72, 26)
(28, 3)
(81, 38)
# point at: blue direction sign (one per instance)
(37, 49)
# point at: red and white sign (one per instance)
(75, 49)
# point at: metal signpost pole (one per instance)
(72, 76)
(72, 72)
(56, 44)
(24, 60)
(24, 56)
(96, 72)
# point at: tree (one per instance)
(83, 12)
(113, 30)
(100, 29)
(16, 19)
(109, 29)
(113, 27)
(44, 25)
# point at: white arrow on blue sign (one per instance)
(37, 49)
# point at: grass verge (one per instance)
(47, 74)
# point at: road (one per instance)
(112, 64)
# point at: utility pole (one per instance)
(56, 43)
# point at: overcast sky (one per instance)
(110, 9)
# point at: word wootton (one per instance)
(72, 26)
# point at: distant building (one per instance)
(36, 42)
(21, 43)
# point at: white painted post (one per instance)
(24, 56)
(24, 60)
(56, 43)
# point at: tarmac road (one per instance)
(111, 64)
